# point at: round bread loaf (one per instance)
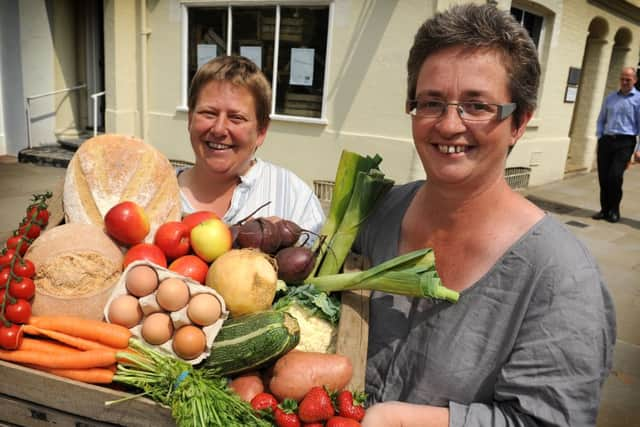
(77, 267)
(110, 169)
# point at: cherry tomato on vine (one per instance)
(10, 337)
(5, 274)
(42, 215)
(32, 232)
(2, 295)
(13, 241)
(19, 312)
(24, 268)
(6, 257)
(23, 287)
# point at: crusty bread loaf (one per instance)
(109, 169)
(77, 267)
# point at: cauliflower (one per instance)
(316, 333)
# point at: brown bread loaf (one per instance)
(109, 169)
(77, 266)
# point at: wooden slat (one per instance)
(84, 400)
(24, 413)
(353, 334)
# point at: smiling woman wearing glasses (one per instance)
(530, 340)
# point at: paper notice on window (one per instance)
(206, 52)
(301, 67)
(254, 53)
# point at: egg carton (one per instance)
(149, 305)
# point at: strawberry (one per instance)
(350, 406)
(285, 414)
(263, 401)
(342, 422)
(316, 406)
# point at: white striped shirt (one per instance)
(291, 198)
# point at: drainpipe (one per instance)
(144, 38)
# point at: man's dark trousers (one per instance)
(614, 152)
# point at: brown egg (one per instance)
(157, 328)
(189, 342)
(204, 309)
(125, 310)
(141, 280)
(172, 294)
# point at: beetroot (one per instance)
(260, 234)
(295, 263)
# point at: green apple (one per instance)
(210, 239)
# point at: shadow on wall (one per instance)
(370, 28)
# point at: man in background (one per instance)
(617, 128)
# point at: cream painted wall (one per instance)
(366, 86)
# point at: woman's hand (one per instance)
(399, 414)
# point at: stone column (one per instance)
(591, 94)
(121, 67)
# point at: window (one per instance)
(292, 40)
(530, 21)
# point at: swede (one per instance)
(245, 278)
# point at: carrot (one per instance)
(89, 375)
(45, 346)
(73, 341)
(81, 360)
(110, 334)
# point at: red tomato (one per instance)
(145, 251)
(19, 312)
(173, 238)
(32, 233)
(190, 266)
(2, 295)
(42, 214)
(22, 287)
(5, 274)
(24, 268)
(14, 241)
(10, 337)
(6, 257)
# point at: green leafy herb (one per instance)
(196, 396)
(317, 302)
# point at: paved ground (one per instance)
(572, 200)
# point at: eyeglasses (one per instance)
(469, 111)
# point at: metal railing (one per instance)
(94, 98)
(42, 95)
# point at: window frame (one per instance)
(185, 5)
(542, 35)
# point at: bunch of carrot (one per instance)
(72, 347)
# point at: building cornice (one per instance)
(623, 9)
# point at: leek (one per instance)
(346, 175)
(413, 274)
(369, 187)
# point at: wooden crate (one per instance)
(33, 398)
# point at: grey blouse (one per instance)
(529, 344)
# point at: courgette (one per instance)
(252, 341)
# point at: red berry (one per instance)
(286, 419)
(316, 406)
(263, 401)
(347, 407)
(342, 422)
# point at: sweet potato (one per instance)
(248, 385)
(297, 371)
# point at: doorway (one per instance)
(94, 63)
